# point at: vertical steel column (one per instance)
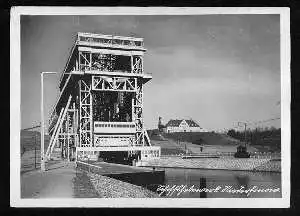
(138, 109)
(79, 117)
(91, 115)
(65, 141)
(68, 136)
(142, 115)
(131, 60)
(90, 63)
(142, 64)
(86, 115)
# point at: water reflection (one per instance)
(243, 181)
(221, 183)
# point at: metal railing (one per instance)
(93, 69)
(111, 42)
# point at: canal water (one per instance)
(220, 184)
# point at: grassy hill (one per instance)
(203, 138)
(269, 144)
(168, 147)
(264, 139)
(179, 143)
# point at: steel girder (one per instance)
(106, 83)
(85, 113)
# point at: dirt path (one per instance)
(56, 182)
(62, 180)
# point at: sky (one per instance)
(215, 69)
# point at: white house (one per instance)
(183, 125)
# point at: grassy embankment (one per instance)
(178, 143)
(30, 145)
(31, 139)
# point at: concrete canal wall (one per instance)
(116, 180)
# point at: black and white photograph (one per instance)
(150, 107)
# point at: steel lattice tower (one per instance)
(100, 106)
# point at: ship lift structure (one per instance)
(99, 111)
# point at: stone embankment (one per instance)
(270, 166)
(248, 164)
(111, 188)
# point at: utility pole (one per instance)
(43, 167)
(245, 134)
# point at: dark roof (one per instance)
(192, 123)
(176, 123)
(173, 123)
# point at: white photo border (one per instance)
(15, 114)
